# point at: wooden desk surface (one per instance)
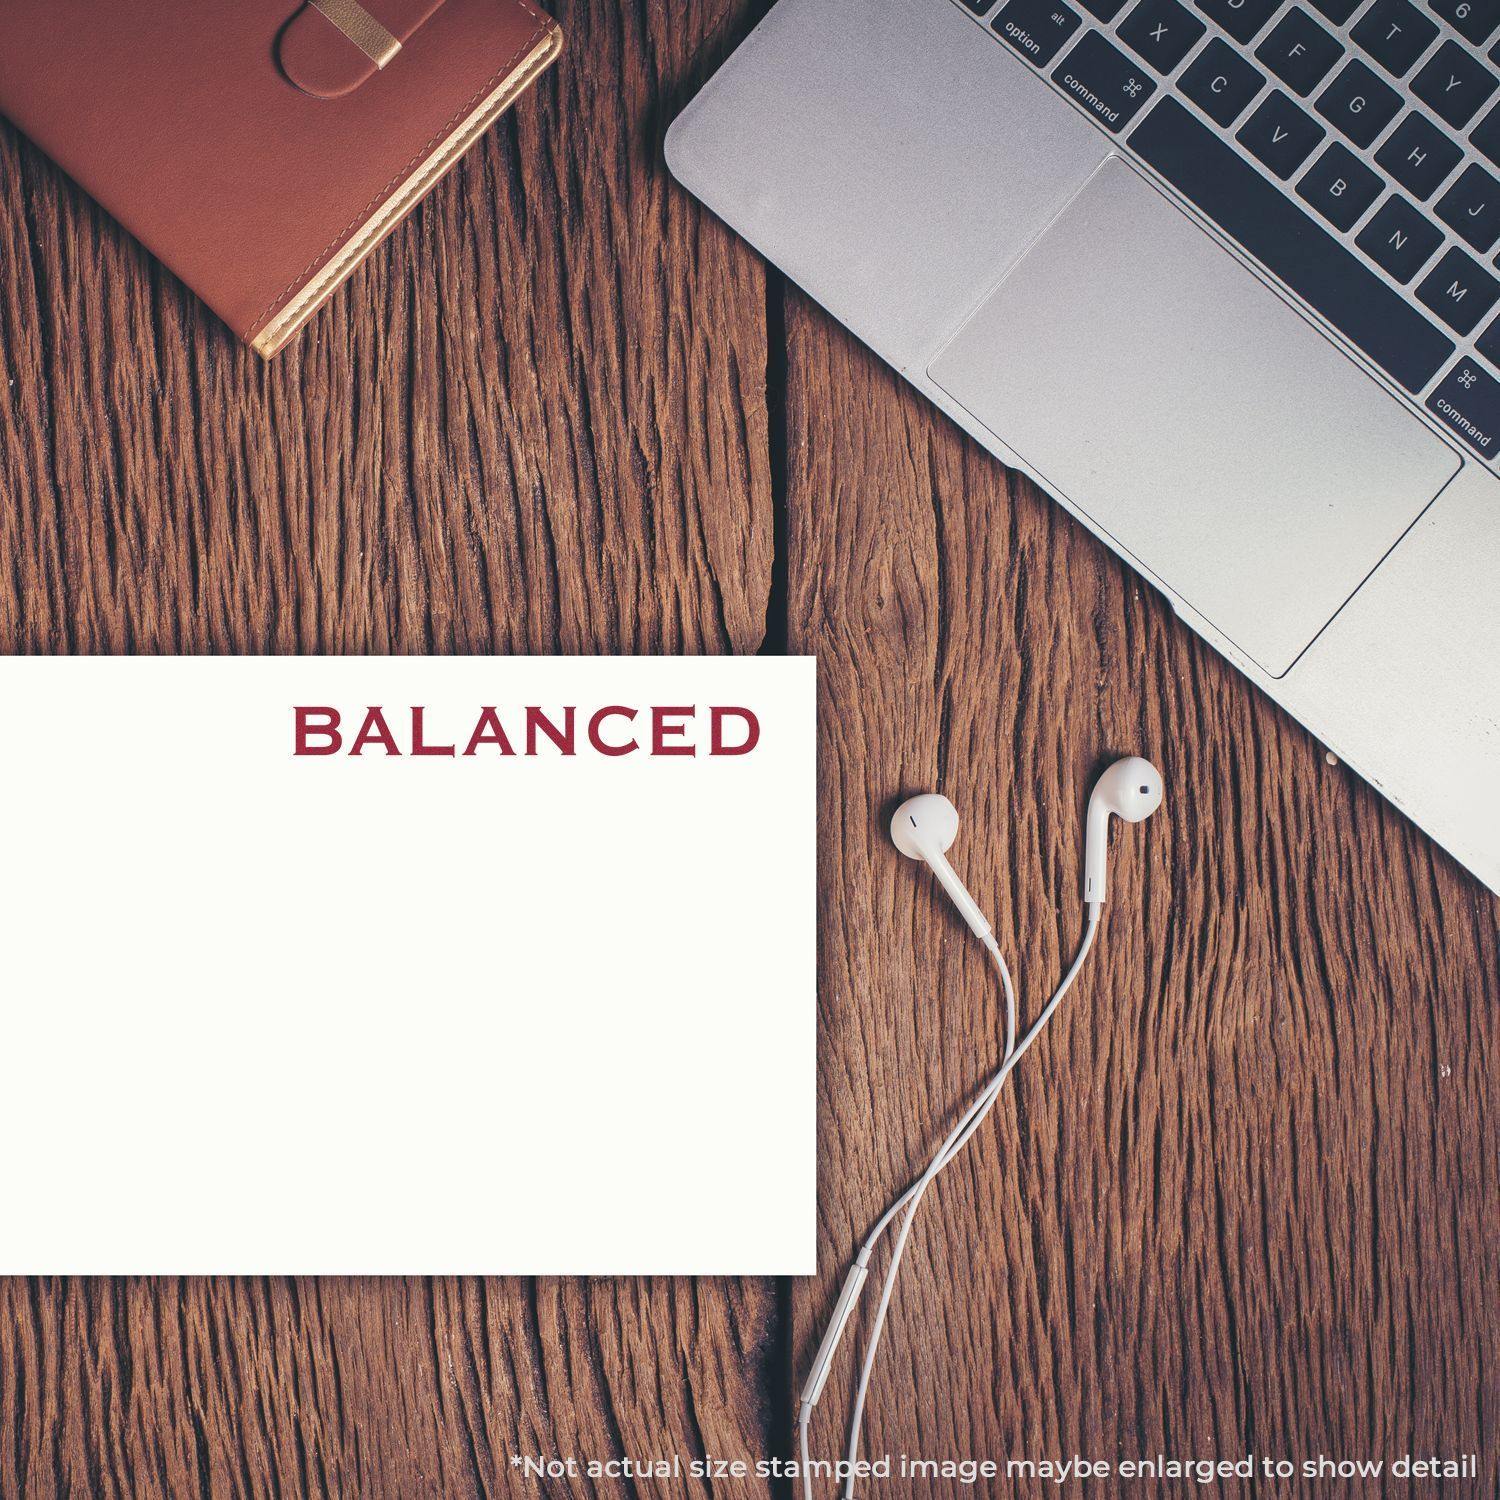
(1242, 1197)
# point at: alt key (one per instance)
(1036, 28)
(1468, 400)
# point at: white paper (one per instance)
(262, 1012)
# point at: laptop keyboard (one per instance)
(1352, 147)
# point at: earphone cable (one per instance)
(1008, 988)
(956, 1140)
(969, 1123)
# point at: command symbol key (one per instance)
(1036, 28)
(1104, 81)
(1468, 400)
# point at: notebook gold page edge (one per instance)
(283, 326)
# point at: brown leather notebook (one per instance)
(262, 148)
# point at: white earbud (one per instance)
(1129, 789)
(924, 828)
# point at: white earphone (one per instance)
(924, 827)
(1130, 790)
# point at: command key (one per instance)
(1468, 400)
(1104, 81)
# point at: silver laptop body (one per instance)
(1219, 275)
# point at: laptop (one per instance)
(1220, 276)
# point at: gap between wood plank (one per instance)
(781, 1376)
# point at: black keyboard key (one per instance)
(1162, 32)
(1471, 208)
(1104, 81)
(1104, 10)
(1240, 18)
(1279, 134)
(1290, 244)
(1486, 135)
(1359, 103)
(1468, 400)
(1337, 11)
(1488, 343)
(1340, 186)
(1418, 155)
(1395, 34)
(1454, 84)
(979, 6)
(1398, 239)
(1459, 291)
(1220, 82)
(1299, 52)
(1473, 20)
(1037, 29)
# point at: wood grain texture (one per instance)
(1241, 1197)
(535, 421)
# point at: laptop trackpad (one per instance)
(1152, 382)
